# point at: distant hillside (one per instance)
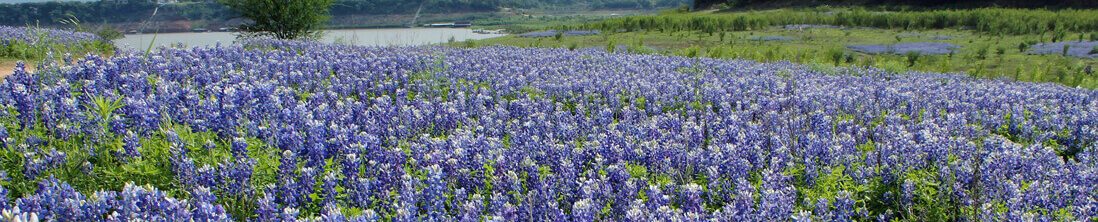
(33, 1)
(756, 4)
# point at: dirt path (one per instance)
(7, 67)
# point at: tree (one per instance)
(282, 19)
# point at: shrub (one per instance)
(837, 56)
(912, 58)
(981, 53)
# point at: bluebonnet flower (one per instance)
(33, 166)
(329, 189)
(131, 146)
(434, 194)
(267, 209)
(636, 212)
(584, 210)
(691, 198)
(4, 137)
(407, 200)
(305, 185)
(844, 207)
(205, 208)
(239, 148)
(907, 190)
(471, 209)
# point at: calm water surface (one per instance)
(363, 37)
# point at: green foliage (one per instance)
(105, 107)
(298, 19)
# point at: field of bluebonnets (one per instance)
(282, 131)
(33, 43)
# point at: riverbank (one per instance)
(330, 28)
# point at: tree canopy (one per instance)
(282, 19)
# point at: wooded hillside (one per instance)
(117, 11)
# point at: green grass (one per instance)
(982, 55)
(996, 21)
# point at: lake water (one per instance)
(363, 37)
